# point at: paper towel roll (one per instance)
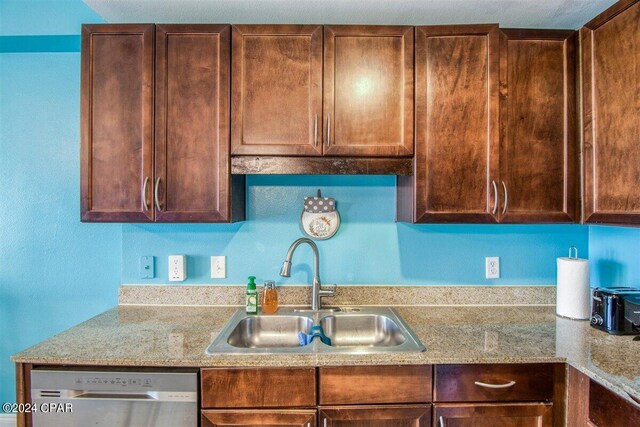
(573, 296)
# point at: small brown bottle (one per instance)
(269, 297)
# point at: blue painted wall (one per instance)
(370, 248)
(54, 271)
(614, 256)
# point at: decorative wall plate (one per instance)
(319, 220)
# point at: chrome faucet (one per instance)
(316, 290)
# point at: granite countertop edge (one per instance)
(621, 385)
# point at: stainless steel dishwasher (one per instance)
(79, 398)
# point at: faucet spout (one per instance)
(317, 291)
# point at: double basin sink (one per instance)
(351, 330)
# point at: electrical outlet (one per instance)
(492, 266)
(218, 267)
(177, 268)
(147, 270)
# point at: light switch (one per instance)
(218, 267)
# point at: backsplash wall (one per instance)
(369, 248)
(614, 256)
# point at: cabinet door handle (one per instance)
(506, 198)
(495, 197)
(145, 205)
(485, 385)
(634, 399)
(328, 129)
(315, 130)
(440, 421)
(155, 194)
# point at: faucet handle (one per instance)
(331, 292)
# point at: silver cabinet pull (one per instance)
(440, 421)
(145, 205)
(485, 385)
(495, 197)
(324, 423)
(506, 198)
(328, 129)
(315, 130)
(155, 194)
(635, 400)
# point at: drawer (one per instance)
(494, 383)
(607, 409)
(259, 417)
(354, 385)
(258, 387)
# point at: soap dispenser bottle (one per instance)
(251, 306)
(269, 297)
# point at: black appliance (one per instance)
(616, 310)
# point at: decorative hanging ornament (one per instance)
(320, 220)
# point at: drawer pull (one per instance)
(507, 385)
(441, 421)
(634, 399)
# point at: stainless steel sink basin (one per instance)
(351, 329)
(269, 331)
(364, 330)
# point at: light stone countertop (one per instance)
(168, 335)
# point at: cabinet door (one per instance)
(192, 175)
(457, 135)
(376, 416)
(255, 417)
(611, 115)
(493, 415)
(368, 91)
(277, 90)
(538, 153)
(116, 122)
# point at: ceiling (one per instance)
(508, 13)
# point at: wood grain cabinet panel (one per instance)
(349, 385)
(258, 387)
(607, 409)
(376, 416)
(610, 67)
(493, 383)
(256, 417)
(192, 170)
(493, 415)
(116, 122)
(368, 90)
(277, 90)
(538, 152)
(457, 133)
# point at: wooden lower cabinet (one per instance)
(253, 417)
(376, 416)
(493, 415)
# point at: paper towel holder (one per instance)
(574, 250)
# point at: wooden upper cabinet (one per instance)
(610, 67)
(538, 154)
(277, 90)
(457, 135)
(368, 91)
(117, 122)
(192, 168)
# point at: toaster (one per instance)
(616, 310)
